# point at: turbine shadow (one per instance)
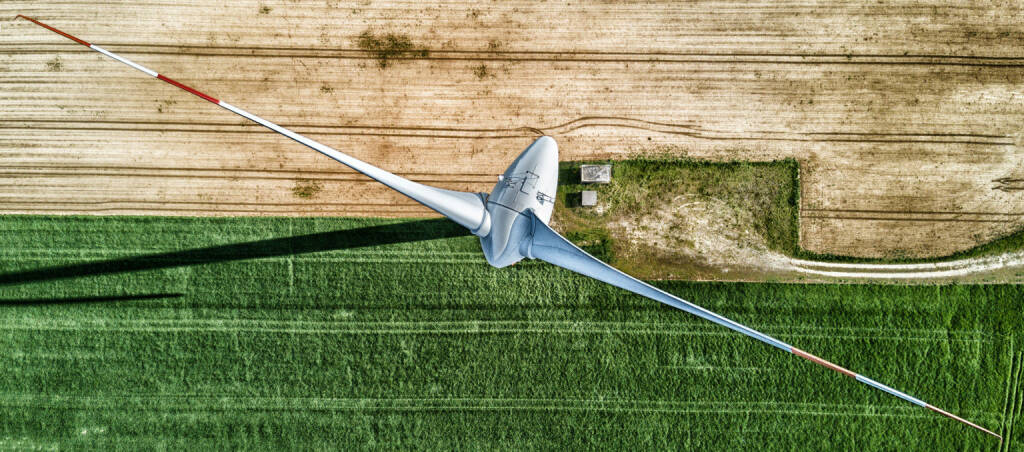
(413, 231)
(92, 299)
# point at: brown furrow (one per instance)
(583, 121)
(414, 135)
(579, 57)
(562, 52)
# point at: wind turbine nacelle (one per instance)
(529, 183)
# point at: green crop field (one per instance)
(176, 333)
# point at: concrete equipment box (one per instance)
(596, 174)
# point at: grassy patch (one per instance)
(481, 71)
(595, 241)
(164, 103)
(388, 46)
(306, 189)
(155, 332)
(55, 65)
(768, 190)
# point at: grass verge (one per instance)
(769, 191)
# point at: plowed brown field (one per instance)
(905, 116)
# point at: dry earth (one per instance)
(700, 237)
(695, 237)
(906, 116)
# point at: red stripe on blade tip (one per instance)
(186, 88)
(817, 360)
(965, 421)
(54, 30)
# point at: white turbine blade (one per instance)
(549, 246)
(466, 209)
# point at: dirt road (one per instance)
(905, 116)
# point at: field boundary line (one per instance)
(978, 336)
(469, 327)
(1013, 401)
(228, 403)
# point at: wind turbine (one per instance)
(512, 222)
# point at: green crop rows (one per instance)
(182, 333)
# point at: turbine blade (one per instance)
(466, 209)
(549, 246)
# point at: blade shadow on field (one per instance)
(89, 299)
(413, 231)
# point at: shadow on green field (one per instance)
(412, 231)
(93, 299)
